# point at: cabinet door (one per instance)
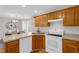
(38, 42)
(33, 42)
(59, 14)
(55, 15)
(51, 16)
(69, 46)
(37, 21)
(77, 15)
(26, 45)
(69, 17)
(12, 47)
(44, 21)
(41, 21)
(41, 42)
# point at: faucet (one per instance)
(38, 30)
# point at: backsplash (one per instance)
(70, 30)
(56, 26)
(44, 29)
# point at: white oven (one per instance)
(53, 44)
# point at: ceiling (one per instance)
(29, 11)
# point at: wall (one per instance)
(32, 27)
(73, 29)
(3, 22)
(28, 25)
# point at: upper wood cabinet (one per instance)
(70, 17)
(69, 14)
(55, 15)
(59, 14)
(41, 21)
(77, 15)
(51, 16)
(37, 21)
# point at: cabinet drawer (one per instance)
(39, 36)
(66, 41)
(68, 48)
(12, 43)
(13, 49)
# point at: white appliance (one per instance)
(26, 45)
(54, 38)
(53, 44)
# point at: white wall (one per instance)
(3, 22)
(72, 29)
(32, 27)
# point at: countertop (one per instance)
(15, 37)
(25, 35)
(71, 37)
(8, 38)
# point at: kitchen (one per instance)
(39, 29)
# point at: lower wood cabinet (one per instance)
(38, 42)
(12, 46)
(70, 46)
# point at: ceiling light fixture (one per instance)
(35, 11)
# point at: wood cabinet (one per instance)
(41, 21)
(69, 19)
(38, 42)
(37, 21)
(51, 16)
(71, 16)
(55, 15)
(12, 46)
(59, 14)
(70, 46)
(77, 16)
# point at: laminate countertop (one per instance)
(15, 37)
(74, 37)
(8, 38)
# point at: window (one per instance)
(25, 26)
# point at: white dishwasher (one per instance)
(26, 45)
(53, 44)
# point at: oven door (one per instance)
(53, 44)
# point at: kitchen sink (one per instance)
(37, 33)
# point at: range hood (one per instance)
(54, 20)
